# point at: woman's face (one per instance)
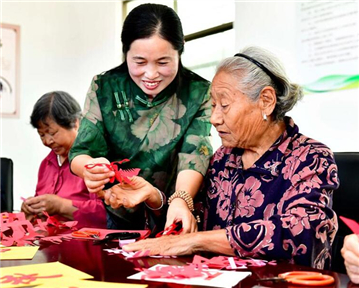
(237, 119)
(57, 138)
(152, 64)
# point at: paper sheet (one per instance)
(67, 282)
(16, 253)
(225, 279)
(19, 276)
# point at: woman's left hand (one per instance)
(130, 195)
(178, 212)
(170, 245)
(50, 203)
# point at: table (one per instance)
(92, 259)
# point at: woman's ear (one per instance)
(267, 100)
(77, 124)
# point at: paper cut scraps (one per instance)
(16, 253)
(36, 274)
(191, 275)
(353, 225)
(15, 230)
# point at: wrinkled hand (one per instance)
(165, 245)
(96, 177)
(350, 253)
(130, 195)
(178, 211)
(50, 203)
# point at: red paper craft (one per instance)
(229, 263)
(15, 230)
(19, 278)
(178, 272)
(353, 225)
(121, 175)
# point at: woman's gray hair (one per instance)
(252, 78)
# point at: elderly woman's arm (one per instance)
(213, 241)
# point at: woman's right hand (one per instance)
(350, 253)
(96, 177)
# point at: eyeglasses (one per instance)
(274, 78)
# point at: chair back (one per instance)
(345, 201)
(6, 180)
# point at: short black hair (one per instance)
(59, 106)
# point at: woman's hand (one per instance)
(165, 245)
(350, 253)
(178, 212)
(50, 203)
(96, 177)
(130, 195)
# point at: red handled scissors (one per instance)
(173, 229)
(305, 278)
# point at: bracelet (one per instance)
(162, 201)
(184, 196)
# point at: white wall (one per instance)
(63, 45)
(332, 118)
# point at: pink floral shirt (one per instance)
(280, 208)
(55, 179)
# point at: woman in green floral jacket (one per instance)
(154, 112)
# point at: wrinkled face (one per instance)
(152, 64)
(56, 137)
(236, 118)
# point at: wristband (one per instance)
(162, 201)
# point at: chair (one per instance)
(6, 180)
(345, 201)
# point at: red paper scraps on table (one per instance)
(15, 230)
(179, 272)
(121, 175)
(229, 263)
(352, 224)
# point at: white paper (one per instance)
(226, 279)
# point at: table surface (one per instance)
(92, 259)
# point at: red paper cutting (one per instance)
(352, 224)
(121, 175)
(19, 278)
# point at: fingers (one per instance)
(96, 178)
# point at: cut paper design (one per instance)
(19, 276)
(102, 233)
(230, 263)
(121, 175)
(352, 224)
(14, 253)
(15, 230)
(190, 275)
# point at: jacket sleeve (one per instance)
(91, 136)
(196, 149)
(302, 226)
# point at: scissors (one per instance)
(307, 278)
(86, 234)
(173, 229)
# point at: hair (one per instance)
(58, 106)
(147, 20)
(252, 78)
